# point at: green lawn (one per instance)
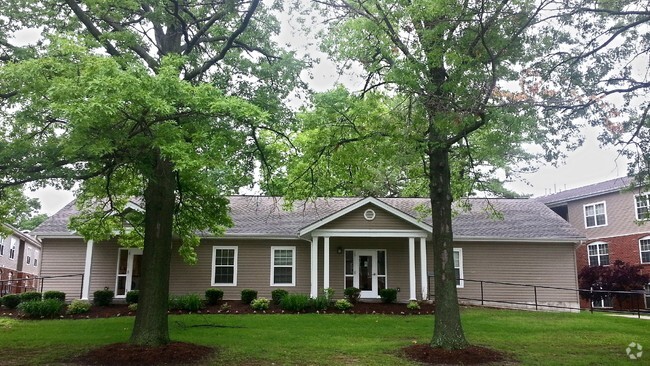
(530, 337)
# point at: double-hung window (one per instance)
(458, 267)
(595, 215)
(642, 205)
(12, 248)
(598, 254)
(283, 266)
(224, 266)
(644, 249)
(28, 260)
(36, 258)
(2, 246)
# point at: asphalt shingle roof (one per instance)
(265, 216)
(609, 186)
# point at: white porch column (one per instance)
(423, 268)
(85, 286)
(314, 267)
(326, 263)
(412, 269)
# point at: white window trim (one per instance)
(584, 213)
(597, 243)
(2, 246)
(214, 266)
(293, 266)
(640, 252)
(636, 209)
(461, 284)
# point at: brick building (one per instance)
(614, 216)
(20, 261)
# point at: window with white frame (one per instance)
(283, 266)
(595, 215)
(644, 249)
(224, 266)
(36, 257)
(12, 248)
(642, 204)
(598, 254)
(28, 260)
(2, 246)
(458, 267)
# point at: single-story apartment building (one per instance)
(369, 243)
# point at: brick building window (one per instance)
(2, 246)
(12, 249)
(595, 215)
(642, 204)
(644, 248)
(598, 254)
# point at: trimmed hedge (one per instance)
(278, 294)
(49, 308)
(31, 296)
(213, 296)
(248, 295)
(352, 294)
(388, 295)
(132, 297)
(57, 295)
(11, 301)
(103, 297)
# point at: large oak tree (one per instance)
(158, 101)
(439, 114)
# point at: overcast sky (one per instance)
(588, 164)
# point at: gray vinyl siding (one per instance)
(104, 266)
(383, 220)
(61, 257)
(253, 268)
(621, 216)
(543, 264)
(5, 262)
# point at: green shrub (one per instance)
(278, 294)
(261, 303)
(248, 295)
(133, 307)
(10, 301)
(31, 296)
(320, 303)
(352, 294)
(295, 302)
(132, 297)
(413, 305)
(57, 295)
(388, 295)
(213, 296)
(225, 307)
(343, 304)
(103, 297)
(49, 308)
(191, 303)
(78, 307)
(329, 293)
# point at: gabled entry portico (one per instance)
(369, 245)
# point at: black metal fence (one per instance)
(538, 297)
(35, 283)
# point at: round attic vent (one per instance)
(369, 215)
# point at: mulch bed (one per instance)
(473, 355)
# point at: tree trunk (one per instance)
(151, 326)
(447, 331)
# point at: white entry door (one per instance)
(367, 271)
(129, 264)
